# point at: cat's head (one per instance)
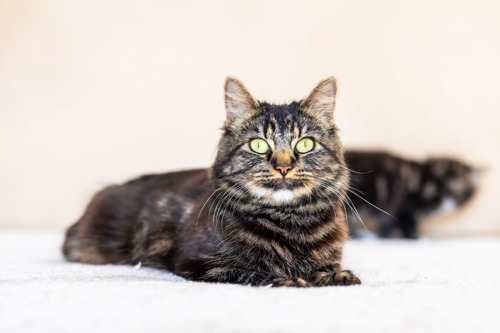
(280, 154)
(455, 182)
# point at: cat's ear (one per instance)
(477, 174)
(239, 102)
(321, 101)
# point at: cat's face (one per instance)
(457, 181)
(280, 154)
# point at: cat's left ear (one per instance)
(240, 104)
(321, 101)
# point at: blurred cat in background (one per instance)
(408, 190)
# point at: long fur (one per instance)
(242, 220)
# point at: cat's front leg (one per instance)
(335, 278)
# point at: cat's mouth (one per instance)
(283, 184)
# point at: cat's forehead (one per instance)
(279, 118)
(280, 113)
(284, 120)
(280, 122)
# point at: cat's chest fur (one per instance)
(281, 242)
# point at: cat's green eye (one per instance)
(304, 145)
(259, 146)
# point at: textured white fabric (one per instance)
(423, 286)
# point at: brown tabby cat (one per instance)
(268, 212)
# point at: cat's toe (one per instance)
(295, 282)
(335, 278)
(346, 278)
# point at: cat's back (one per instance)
(107, 231)
(186, 185)
(169, 179)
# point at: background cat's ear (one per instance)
(239, 102)
(321, 101)
(477, 174)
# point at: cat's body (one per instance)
(267, 212)
(408, 190)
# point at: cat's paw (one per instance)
(346, 278)
(294, 282)
(338, 278)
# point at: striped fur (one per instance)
(243, 220)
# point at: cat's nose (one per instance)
(283, 161)
(283, 169)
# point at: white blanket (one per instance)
(423, 286)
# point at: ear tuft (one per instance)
(239, 102)
(321, 101)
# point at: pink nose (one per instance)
(283, 169)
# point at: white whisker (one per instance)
(368, 202)
(202, 207)
(356, 172)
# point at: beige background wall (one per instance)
(95, 92)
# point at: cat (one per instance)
(408, 190)
(268, 211)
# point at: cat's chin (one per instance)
(281, 194)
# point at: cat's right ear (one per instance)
(239, 102)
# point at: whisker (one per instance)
(355, 189)
(349, 203)
(355, 211)
(215, 201)
(351, 190)
(215, 220)
(222, 204)
(368, 202)
(236, 187)
(202, 207)
(345, 212)
(353, 171)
